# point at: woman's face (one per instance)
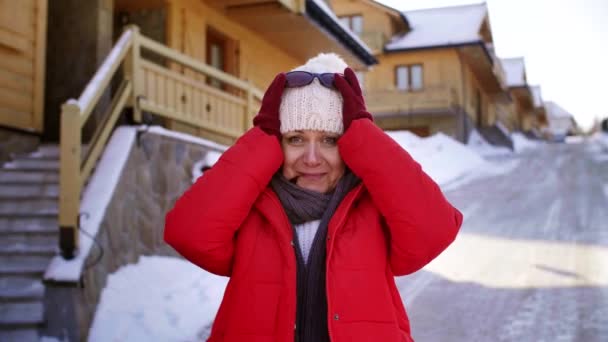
(312, 160)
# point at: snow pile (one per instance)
(521, 143)
(157, 299)
(441, 157)
(478, 144)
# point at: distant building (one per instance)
(560, 122)
(437, 69)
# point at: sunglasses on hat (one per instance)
(295, 79)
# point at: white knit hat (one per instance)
(314, 107)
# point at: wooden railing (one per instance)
(176, 89)
(407, 102)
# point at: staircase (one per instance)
(495, 136)
(29, 192)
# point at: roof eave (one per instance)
(314, 12)
(439, 46)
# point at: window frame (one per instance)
(409, 81)
(349, 22)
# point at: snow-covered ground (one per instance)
(157, 299)
(521, 143)
(169, 299)
(478, 144)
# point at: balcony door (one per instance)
(222, 54)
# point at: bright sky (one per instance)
(564, 44)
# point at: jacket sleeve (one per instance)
(421, 222)
(203, 223)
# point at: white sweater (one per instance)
(306, 234)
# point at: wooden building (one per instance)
(22, 64)
(539, 119)
(522, 111)
(437, 69)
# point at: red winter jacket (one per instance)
(232, 224)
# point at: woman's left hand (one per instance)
(354, 104)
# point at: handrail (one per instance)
(135, 90)
(100, 139)
(91, 94)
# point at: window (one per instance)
(354, 23)
(403, 78)
(416, 77)
(409, 77)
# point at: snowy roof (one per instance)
(556, 111)
(441, 27)
(515, 71)
(560, 120)
(538, 100)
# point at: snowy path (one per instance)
(531, 262)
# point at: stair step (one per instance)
(28, 177)
(21, 314)
(23, 264)
(32, 164)
(28, 242)
(29, 190)
(28, 249)
(20, 335)
(31, 224)
(28, 206)
(16, 288)
(48, 150)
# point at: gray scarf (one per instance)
(301, 206)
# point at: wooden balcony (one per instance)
(430, 100)
(486, 67)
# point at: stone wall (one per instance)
(158, 171)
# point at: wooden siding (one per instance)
(22, 46)
(258, 61)
(377, 24)
(441, 81)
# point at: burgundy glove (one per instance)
(268, 116)
(354, 104)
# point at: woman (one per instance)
(311, 214)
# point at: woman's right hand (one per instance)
(268, 116)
